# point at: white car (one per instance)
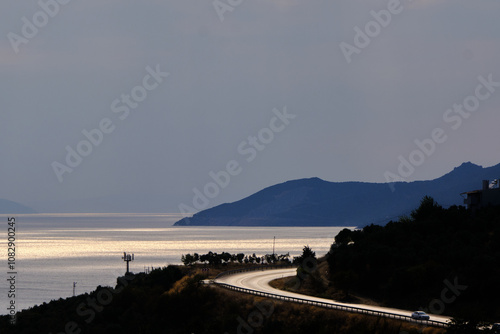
(420, 315)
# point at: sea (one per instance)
(57, 255)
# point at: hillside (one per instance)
(450, 254)
(315, 202)
(9, 207)
(171, 300)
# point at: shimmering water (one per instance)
(55, 250)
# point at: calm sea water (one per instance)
(55, 250)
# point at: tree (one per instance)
(225, 257)
(427, 209)
(271, 258)
(344, 237)
(284, 258)
(204, 258)
(253, 258)
(307, 254)
(188, 259)
(307, 262)
(240, 257)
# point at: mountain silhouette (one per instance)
(315, 202)
(9, 207)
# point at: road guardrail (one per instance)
(332, 305)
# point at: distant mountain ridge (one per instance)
(9, 207)
(315, 202)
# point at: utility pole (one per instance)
(127, 258)
(274, 242)
(74, 289)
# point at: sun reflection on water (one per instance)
(53, 251)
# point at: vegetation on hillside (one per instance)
(224, 258)
(173, 300)
(440, 260)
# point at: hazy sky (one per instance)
(270, 90)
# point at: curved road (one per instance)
(259, 280)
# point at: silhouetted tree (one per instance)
(240, 257)
(427, 209)
(188, 259)
(307, 254)
(344, 237)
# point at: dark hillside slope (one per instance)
(435, 253)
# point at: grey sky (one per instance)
(353, 119)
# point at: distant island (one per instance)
(315, 202)
(9, 207)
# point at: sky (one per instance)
(181, 105)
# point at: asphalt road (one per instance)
(259, 280)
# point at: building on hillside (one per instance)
(488, 195)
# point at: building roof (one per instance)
(472, 192)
